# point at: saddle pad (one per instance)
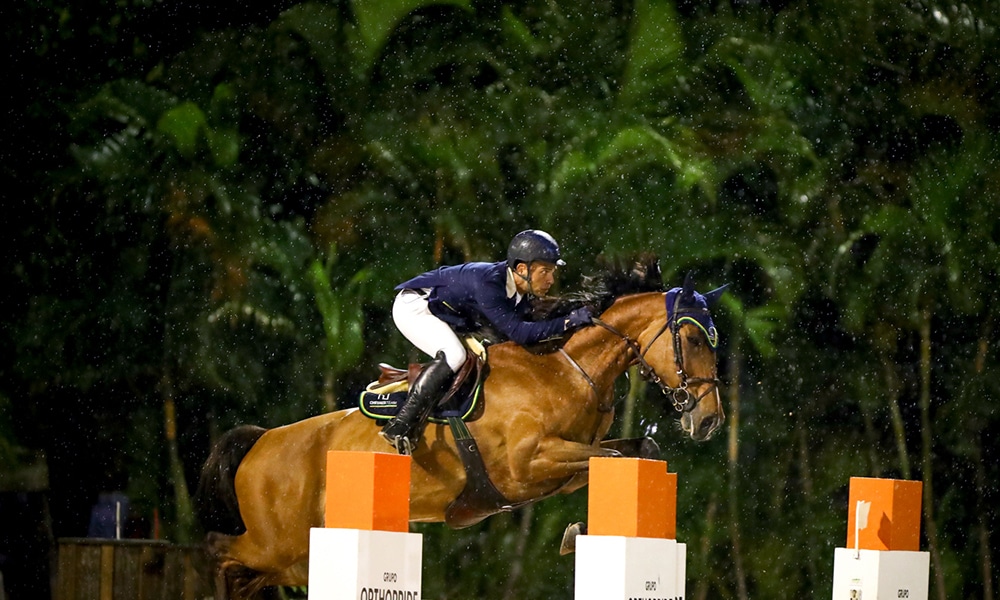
(383, 402)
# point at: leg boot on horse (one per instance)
(403, 431)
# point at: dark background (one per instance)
(208, 205)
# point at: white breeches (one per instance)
(424, 330)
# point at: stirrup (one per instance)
(402, 443)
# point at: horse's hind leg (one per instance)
(240, 576)
(236, 581)
(233, 579)
(632, 447)
(216, 547)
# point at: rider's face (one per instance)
(542, 277)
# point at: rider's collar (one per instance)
(511, 287)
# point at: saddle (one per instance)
(383, 398)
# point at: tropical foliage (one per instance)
(221, 216)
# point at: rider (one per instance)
(432, 307)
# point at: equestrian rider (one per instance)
(432, 307)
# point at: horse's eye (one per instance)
(694, 340)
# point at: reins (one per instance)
(601, 407)
(681, 397)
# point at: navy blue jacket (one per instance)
(463, 295)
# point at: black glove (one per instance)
(578, 318)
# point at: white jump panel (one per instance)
(629, 568)
(880, 574)
(358, 564)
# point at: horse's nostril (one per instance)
(707, 424)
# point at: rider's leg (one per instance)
(424, 330)
(404, 430)
(434, 337)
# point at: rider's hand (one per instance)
(579, 317)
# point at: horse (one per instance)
(543, 417)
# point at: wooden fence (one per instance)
(104, 569)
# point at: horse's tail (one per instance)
(216, 502)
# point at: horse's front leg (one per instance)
(635, 447)
(632, 447)
(553, 458)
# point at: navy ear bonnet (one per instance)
(694, 308)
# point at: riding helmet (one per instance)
(531, 245)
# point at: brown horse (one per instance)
(544, 416)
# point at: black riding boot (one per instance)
(404, 429)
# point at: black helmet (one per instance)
(531, 245)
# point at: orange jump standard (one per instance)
(882, 558)
(630, 550)
(365, 551)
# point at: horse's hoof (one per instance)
(568, 544)
(649, 449)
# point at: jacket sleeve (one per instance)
(500, 311)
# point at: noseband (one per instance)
(681, 397)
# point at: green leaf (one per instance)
(656, 45)
(574, 167)
(224, 144)
(223, 94)
(760, 69)
(343, 317)
(126, 101)
(515, 30)
(377, 19)
(351, 343)
(762, 324)
(322, 28)
(643, 144)
(182, 124)
(328, 304)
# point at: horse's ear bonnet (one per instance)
(712, 298)
(692, 307)
(687, 292)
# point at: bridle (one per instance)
(681, 397)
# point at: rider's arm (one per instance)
(499, 310)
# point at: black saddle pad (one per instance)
(383, 402)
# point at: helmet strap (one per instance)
(531, 288)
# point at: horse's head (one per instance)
(669, 334)
(680, 357)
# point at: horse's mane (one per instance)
(615, 277)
